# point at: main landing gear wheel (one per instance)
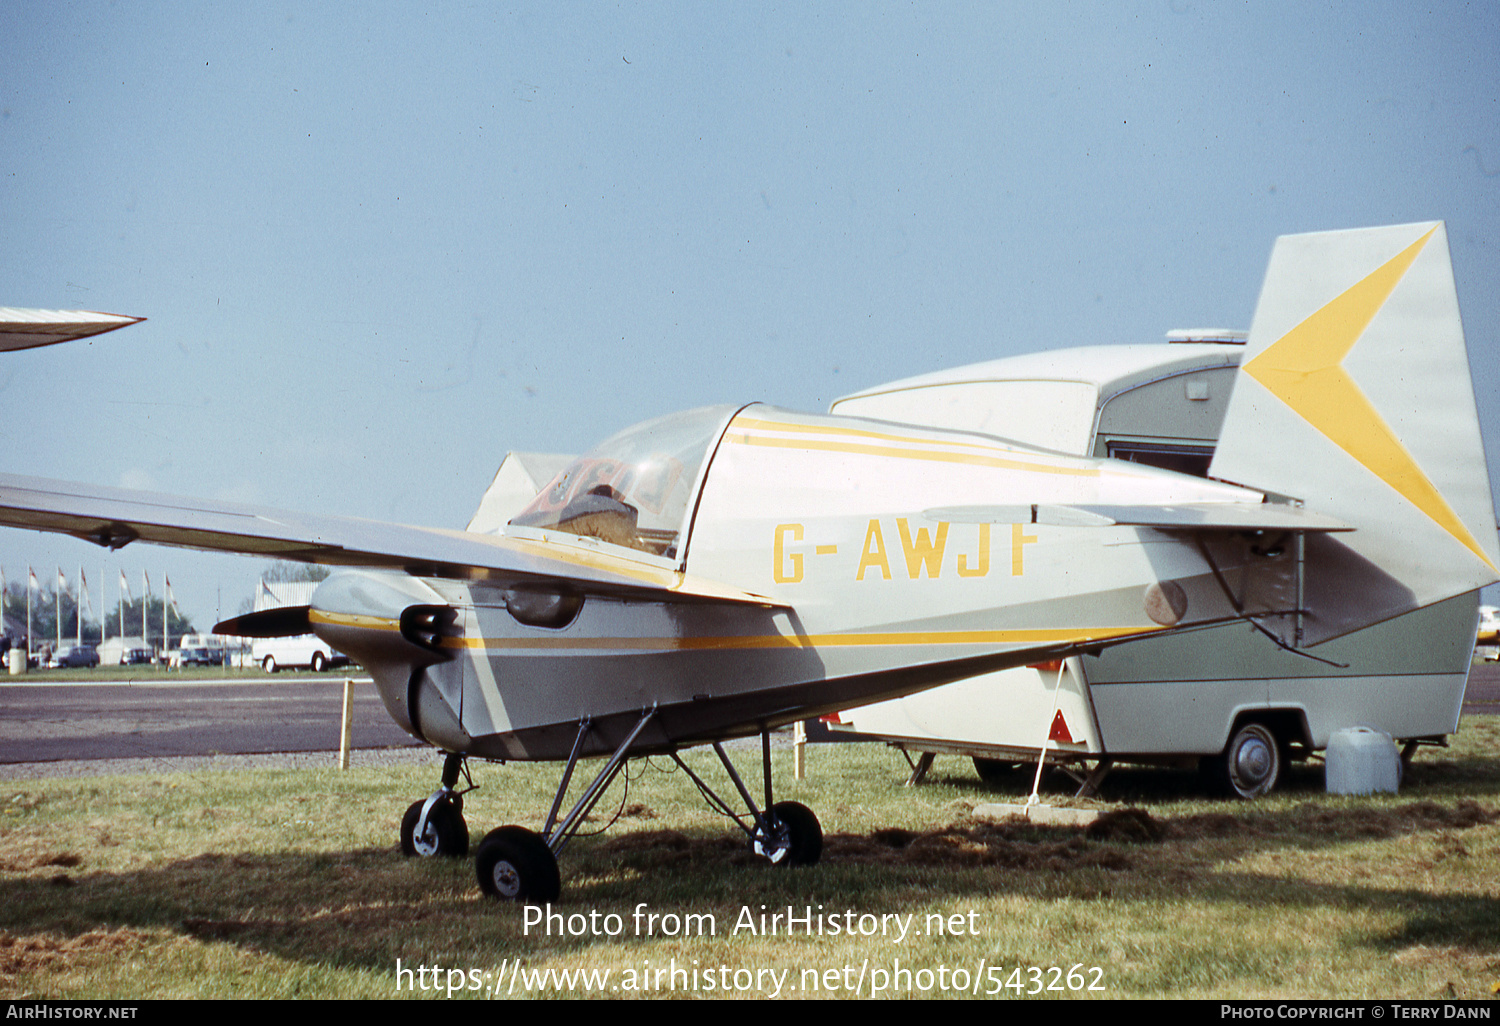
(515, 864)
(319, 664)
(446, 833)
(1250, 764)
(268, 664)
(796, 837)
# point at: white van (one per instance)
(306, 651)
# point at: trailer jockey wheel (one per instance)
(1250, 764)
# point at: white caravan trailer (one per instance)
(1227, 696)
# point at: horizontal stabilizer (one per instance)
(1187, 516)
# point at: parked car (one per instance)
(196, 657)
(74, 656)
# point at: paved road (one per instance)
(1483, 695)
(44, 722)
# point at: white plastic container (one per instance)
(1361, 760)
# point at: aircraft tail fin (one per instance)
(1354, 397)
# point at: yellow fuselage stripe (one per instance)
(369, 623)
(973, 459)
(1053, 636)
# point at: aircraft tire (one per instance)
(1250, 765)
(797, 836)
(515, 864)
(447, 834)
(268, 664)
(319, 664)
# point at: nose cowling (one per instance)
(395, 626)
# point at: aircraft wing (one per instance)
(27, 329)
(114, 517)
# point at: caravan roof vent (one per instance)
(1223, 336)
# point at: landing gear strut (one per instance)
(517, 864)
(784, 833)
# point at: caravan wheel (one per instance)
(1250, 764)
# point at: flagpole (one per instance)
(57, 608)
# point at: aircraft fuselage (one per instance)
(869, 591)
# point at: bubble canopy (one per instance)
(635, 489)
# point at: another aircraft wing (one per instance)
(27, 329)
(114, 517)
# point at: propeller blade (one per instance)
(286, 622)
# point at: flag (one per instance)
(83, 586)
(31, 584)
(62, 582)
(124, 586)
(172, 598)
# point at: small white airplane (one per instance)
(721, 572)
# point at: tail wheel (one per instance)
(795, 836)
(515, 864)
(1250, 765)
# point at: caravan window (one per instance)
(1184, 459)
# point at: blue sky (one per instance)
(380, 245)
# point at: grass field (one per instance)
(290, 884)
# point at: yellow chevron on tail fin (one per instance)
(1355, 397)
